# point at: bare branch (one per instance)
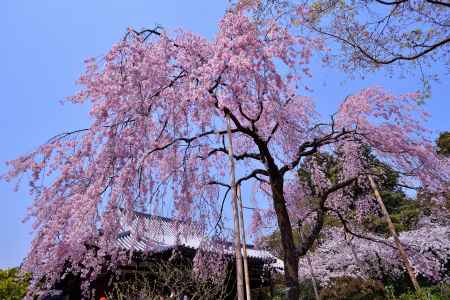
(338, 186)
(252, 175)
(311, 147)
(242, 156)
(348, 230)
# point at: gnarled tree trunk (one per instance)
(290, 255)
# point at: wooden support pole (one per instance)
(359, 263)
(311, 270)
(401, 250)
(237, 233)
(244, 244)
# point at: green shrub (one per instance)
(12, 286)
(353, 289)
(437, 292)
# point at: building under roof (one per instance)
(149, 239)
(149, 233)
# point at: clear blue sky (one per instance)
(43, 45)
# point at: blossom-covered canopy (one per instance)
(158, 103)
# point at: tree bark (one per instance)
(287, 239)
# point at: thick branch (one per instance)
(311, 147)
(242, 156)
(318, 225)
(337, 186)
(187, 140)
(348, 230)
(252, 175)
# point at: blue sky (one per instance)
(43, 47)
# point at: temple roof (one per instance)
(145, 232)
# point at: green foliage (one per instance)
(437, 292)
(349, 288)
(273, 242)
(279, 292)
(443, 143)
(404, 213)
(12, 285)
(353, 289)
(307, 290)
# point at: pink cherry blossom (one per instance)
(156, 143)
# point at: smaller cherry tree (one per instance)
(373, 257)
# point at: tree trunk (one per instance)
(290, 252)
(287, 239)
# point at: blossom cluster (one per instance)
(428, 249)
(156, 143)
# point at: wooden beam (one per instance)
(237, 233)
(244, 245)
(401, 250)
(311, 270)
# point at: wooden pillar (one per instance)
(359, 263)
(271, 291)
(401, 250)
(311, 270)
(237, 233)
(244, 245)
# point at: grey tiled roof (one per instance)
(151, 233)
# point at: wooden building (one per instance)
(158, 241)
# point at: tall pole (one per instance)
(311, 270)
(359, 263)
(400, 248)
(237, 232)
(244, 244)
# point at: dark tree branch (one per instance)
(252, 175)
(337, 187)
(187, 140)
(439, 3)
(250, 119)
(308, 241)
(242, 156)
(311, 147)
(220, 183)
(272, 132)
(377, 60)
(146, 32)
(392, 2)
(348, 230)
